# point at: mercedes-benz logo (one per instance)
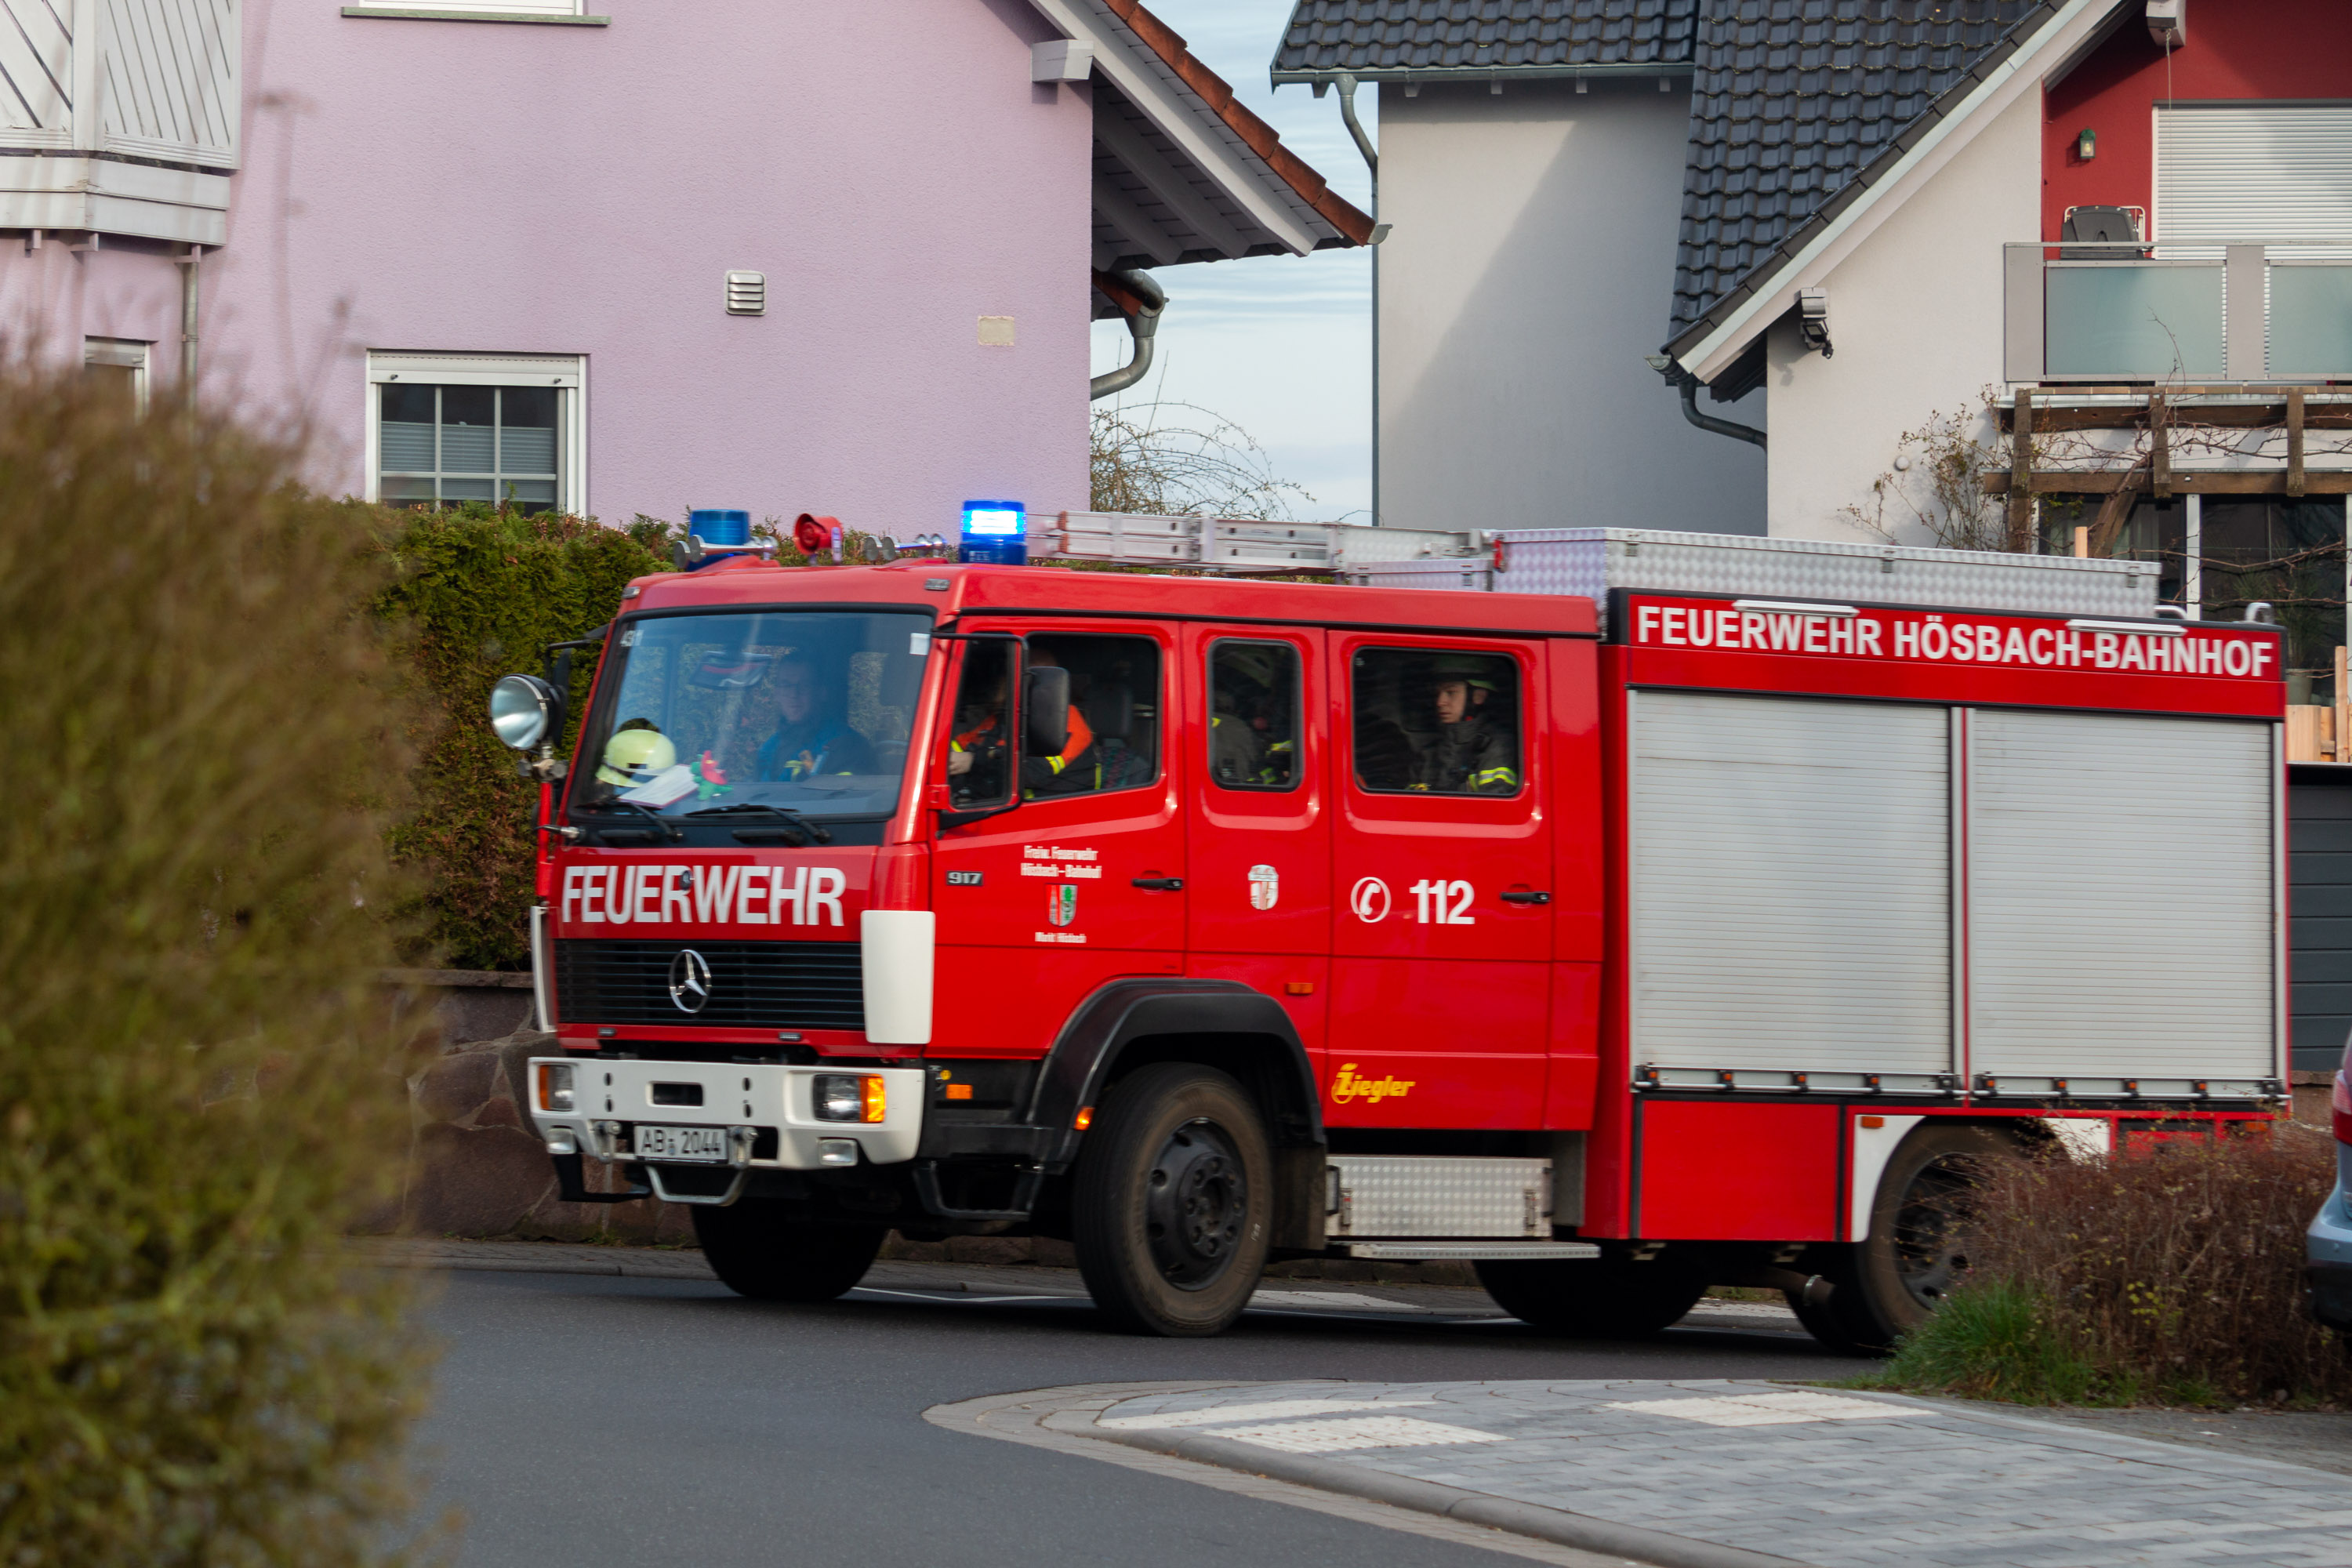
(689, 980)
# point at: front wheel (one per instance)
(1171, 1207)
(758, 1250)
(1888, 1284)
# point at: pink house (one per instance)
(771, 254)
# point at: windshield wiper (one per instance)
(669, 829)
(784, 814)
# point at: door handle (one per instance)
(1527, 898)
(1158, 884)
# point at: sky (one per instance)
(1280, 345)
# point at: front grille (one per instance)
(753, 985)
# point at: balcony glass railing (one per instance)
(2138, 313)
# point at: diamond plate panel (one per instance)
(1592, 561)
(1427, 1197)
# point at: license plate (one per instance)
(689, 1145)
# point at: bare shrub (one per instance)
(195, 1095)
(1173, 459)
(2166, 1274)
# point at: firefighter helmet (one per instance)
(634, 756)
(1472, 670)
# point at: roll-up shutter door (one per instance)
(1790, 884)
(2254, 173)
(2123, 893)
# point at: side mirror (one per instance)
(525, 711)
(1046, 710)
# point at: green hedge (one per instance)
(197, 1089)
(480, 593)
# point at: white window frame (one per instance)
(131, 353)
(567, 373)
(494, 8)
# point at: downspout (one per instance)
(189, 264)
(1372, 165)
(1140, 300)
(1737, 432)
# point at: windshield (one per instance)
(806, 712)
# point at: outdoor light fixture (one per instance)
(995, 532)
(2086, 144)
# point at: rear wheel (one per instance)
(1171, 1205)
(756, 1250)
(1600, 1298)
(1916, 1252)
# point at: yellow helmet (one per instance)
(634, 756)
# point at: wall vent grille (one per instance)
(747, 293)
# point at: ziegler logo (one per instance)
(1348, 1086)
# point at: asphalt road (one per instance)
(594, 1422)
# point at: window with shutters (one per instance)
(502, 429)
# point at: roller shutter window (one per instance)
(2319, 844)
(2122, 896)
(2252, 175)
(1790, 884)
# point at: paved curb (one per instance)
(1076, 1406)
(1554, 1524)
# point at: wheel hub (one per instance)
(1929, 1254)
(1196, 1198)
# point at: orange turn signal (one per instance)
(1871, 1120)
(1299, 988)
(958, 1091)
(876, 1102)
(1086, 1119)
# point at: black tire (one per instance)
(758, 1250)
(1595, 1298)
(1171, 1204)
(1884, 1287)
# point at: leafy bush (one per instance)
(482, 592)
(196, 1096)
(2170, 1274)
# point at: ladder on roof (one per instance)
(1238, 546)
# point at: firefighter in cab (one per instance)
(1474, 751)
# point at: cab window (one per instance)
(1437, 721)
(1253, 715)
(980, 760)
(1114, 736)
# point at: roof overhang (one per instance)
(1711, 345)
(1183, 172)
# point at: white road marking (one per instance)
(1354, 1432)
(1169, 1420)
(1764, 1409)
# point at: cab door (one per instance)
(1081, 881)
(1442, 929)
(1258, 887)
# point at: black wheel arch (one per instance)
(1132, 1022)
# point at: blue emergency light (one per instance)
(719, 525)
(995, 532)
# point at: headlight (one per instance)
(524, 711)
(848, 1096)
(555, 1085)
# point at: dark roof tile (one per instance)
(1793, 99)
(1430, 35)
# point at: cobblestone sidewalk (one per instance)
(1833, 1479)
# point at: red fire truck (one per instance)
(1622, 942)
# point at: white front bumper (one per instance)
(609, 1096)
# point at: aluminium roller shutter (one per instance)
(1790, 884)
(2122, 892)
(2253, 172)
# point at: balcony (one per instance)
(124, 118)
(2085, 312)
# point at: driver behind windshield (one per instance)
(812, 737)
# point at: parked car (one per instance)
(2329, 1248)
